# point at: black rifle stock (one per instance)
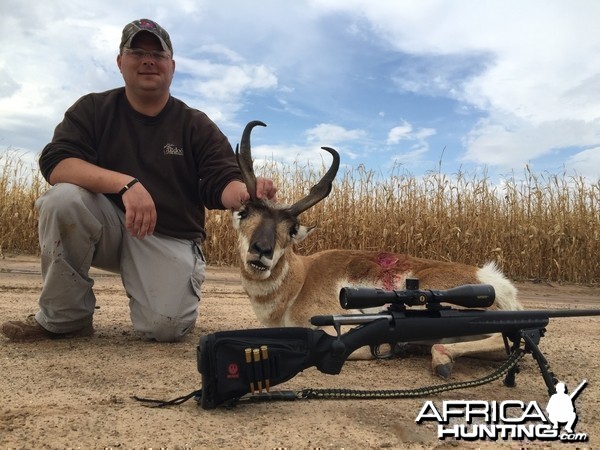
(235, 363)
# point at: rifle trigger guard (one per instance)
(377, 352)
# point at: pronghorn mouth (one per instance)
(257, 265)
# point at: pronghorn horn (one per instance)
(244, 159)
(320, 190)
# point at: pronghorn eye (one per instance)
(242, 214)
(293, 230)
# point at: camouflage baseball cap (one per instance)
(137, 26)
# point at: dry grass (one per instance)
(544, 227)
(20, 186)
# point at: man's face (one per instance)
(143, 73)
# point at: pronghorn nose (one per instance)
(263, 249)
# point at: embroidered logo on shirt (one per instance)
(170, 149)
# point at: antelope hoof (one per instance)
(444, 370)
(441, 361)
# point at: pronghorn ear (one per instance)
(303, 232)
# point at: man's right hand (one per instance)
(140, 212)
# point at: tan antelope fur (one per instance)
(287, 289)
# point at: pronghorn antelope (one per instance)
(287, 289)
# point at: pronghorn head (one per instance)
(266, 229)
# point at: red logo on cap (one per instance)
(233, 371)
(147, 24)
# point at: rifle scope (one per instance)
(468, 296)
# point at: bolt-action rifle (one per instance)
(246, 364)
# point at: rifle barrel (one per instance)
(572, 312)
(485, 315)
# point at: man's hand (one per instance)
(265, 189)
(236, 193)
(140, 212)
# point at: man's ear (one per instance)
(303, 232)
(119, 57)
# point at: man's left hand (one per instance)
(265, 189)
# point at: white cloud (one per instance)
(400, 132)
(329, 134)
(406, 132)
(220, 75)
(222, 85)
(50, 58)
(507, 142)
(586, 164)
(264, 155)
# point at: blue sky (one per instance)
(482, 85)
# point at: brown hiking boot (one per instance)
(31, 330)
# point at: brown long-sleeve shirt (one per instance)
(180, 156)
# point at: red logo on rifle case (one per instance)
(233, 371)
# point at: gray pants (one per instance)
(162, 275)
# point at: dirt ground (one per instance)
(78, 393)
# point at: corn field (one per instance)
(20, 186)
(542, 227)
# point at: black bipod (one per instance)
(531, 338)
